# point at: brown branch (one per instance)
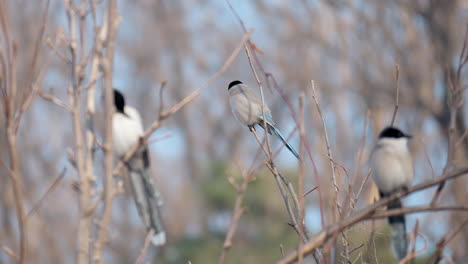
(397, 94)
(311, 190)
(84, 224)
(9, 92)
(327, 142)
(280, 180)
(54, 100)
(108, 68)
(54, 48)
(413, 243)
(49, 190)
(411, 210)
(455, 102)
(176, 107)
(371, 250)
(143, 251)
(15, 176)
(161, 97)
(10, 252)
(29, 93)
(285, 99)
(260, 86)
(366, 213)
(438, 255)
(413, 254)
(238, 211)
(300, 184)
(296, 218)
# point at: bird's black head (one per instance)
(119, 101)
(233, 83)
(393, 132)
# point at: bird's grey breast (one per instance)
(243, 105)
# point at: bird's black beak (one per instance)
(408, 136)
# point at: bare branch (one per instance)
(327, 142)
(176, 107)
(108, 68)
(397, 94)
(237, 213)
(49, 190)
(54, 100)
(300, 184)
(285, 99)
(366, 213)
(143, 251)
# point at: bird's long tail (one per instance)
(280, 136)
(398, 231)
(148, 200)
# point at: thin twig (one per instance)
(10, 252)
(455, 102)
(311, 190)
(54, 100)
(49, 190)
(413, 254)
(413, 241)
(109, 193)
(291, 108)
(329, 152)
(161, 101)
(411, 210)
(371, 244)
(367, 213)
(280, 180)
(237, 213)
(143, 251)
(456, 231)
(397, 94)
(260, 86)
(356, 248)
(301, 213)
(295, 218)
(176, 107)
(11, 124)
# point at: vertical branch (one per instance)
(107, 61)
(88, 179)
(84, 224)
(9, 98)
(332, 162)
(301, 177)
(15, 176)
(91, 100)
(329, 152)
(413, 242)
(437, 257)
(296, 218)
(397, 94)
(238, 211)
(15, 104)
(148, 237)
(455, 101)
(285, 99)
(259, 82)
(281, 181)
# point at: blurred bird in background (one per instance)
(127, 130)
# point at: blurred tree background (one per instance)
(348, 48)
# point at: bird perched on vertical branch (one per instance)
(392, 168)
(127, 131)
(247, 108)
